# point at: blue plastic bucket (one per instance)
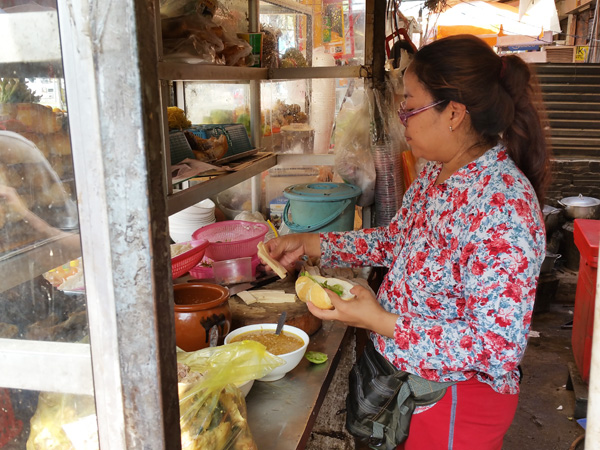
(320, 207)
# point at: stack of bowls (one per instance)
(185, 222)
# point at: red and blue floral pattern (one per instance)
(464, 258)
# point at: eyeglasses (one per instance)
(403, 114)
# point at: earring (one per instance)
(450, 128)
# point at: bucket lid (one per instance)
(321, 191)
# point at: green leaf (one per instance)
(339, 290)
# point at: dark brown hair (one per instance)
(500, 93)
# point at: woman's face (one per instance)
(425, 131)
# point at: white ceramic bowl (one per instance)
(245, 387)
(292, 359)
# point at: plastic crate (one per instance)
(179, 147)
(235, 133)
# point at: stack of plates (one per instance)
(388, 187)
(185, 222)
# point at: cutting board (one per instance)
(297, 312)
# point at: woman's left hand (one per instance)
(363, 311)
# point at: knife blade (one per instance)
(235, 288)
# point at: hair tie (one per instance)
(502, 67)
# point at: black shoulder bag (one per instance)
(381, 400)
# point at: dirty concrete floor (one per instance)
(544, 418)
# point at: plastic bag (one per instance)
(352, 141)
(64, 422)
(234, 363)
(194, 38)
(212, 410)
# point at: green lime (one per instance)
(316, 357)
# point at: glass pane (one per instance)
(299, 115)
(33, 419)
(42, 293)
(204, 32)
(217, 103)
(42, 296)
(286, 121)
(328, 26)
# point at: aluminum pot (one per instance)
(581, 207)
(549, 262)
(551, 218)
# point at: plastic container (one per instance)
(233, 271)
(204, 269)
(182, 264)
(320, 207)
(297, 138)
(586, 235)
(232, 239)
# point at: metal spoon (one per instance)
(280, 323)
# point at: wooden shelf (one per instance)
(198, 192)
(209, 72)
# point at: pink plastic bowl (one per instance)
(231, 239)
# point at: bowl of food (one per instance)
(290, 345)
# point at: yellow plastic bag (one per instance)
(233, 363)
(63, 422)
(212, 409)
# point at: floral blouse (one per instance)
(464, 259)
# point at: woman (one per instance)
(464, 251)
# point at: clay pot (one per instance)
(202, 315)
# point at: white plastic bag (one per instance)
(352, 143)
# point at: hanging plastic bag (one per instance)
(353, 160)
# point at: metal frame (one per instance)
(123, 219)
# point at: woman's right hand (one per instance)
(289, 248)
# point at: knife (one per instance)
(235, 288)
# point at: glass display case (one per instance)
(43, 304)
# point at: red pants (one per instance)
(471, 415)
